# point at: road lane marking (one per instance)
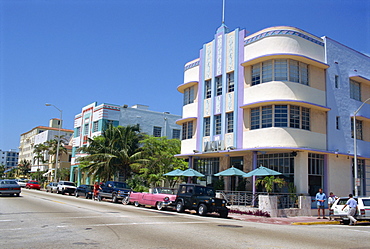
(106, 225)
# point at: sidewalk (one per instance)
(300, 220)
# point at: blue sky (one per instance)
(74, 52)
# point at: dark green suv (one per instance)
(200, 198)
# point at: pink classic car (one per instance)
(159, 198)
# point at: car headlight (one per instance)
(213, 200)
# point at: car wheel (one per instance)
(202, 209)
(125, 200)
(345, 222)
(47, 190)
(180, 207)
(159, 205)
(114, 198)
(18, 194)
(224, 214)
(76, 194)
(63, 192)
(136, 204)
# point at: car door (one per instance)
(338, 206)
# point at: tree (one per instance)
(24, 166)
(159, 159)
(2, 169)
(268, 182)
(39, 153)
(113, 152)
(53, 147)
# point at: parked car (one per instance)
(32, 184)
(9, 187)
(21, 182)
(84, 190)
(363, 209)
(52, 187)
(117, 191)
(158, 197)
(200, 198)
(66, 187)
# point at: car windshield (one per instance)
(33, 182)
(166, 191)
(204, 191)
(69, 184)
(120, 185)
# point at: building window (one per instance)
(78, 131)
(266, 119)
(255, 118)
(336, 81)
(86, 129)
(280, 70)
(217, 124)
(157, 131)
(218, 82)
(337, 122)
(281, 162)
(355, 90)
(281, 116)
(229, 122)
(95, 126)
(278, 116)
(315, 173)
(358, 129)
(208, 167)
(187, 130)
(207, 126)
(208, 89)
(230, 82)
(295, 114)
(176, 134)
(189, 95)
(361, 173)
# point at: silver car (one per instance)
(9, 187)
(52, 187)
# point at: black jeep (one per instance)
(200, 198)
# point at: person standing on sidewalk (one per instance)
(331, 200)
(352, 203)
(320, 199)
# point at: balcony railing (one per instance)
(247, 198)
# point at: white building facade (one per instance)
(9, 158)
(94, 119)
(282, 98)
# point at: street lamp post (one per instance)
(58, 145)
(355, 145)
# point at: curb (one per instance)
(316, 223)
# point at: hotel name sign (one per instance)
(214, 146)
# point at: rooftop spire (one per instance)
(223, 11)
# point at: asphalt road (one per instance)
(43, 220)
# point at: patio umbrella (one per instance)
(191, 172)
(262, 171)
(231, 172)
(176, 172)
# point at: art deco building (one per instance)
(282, 98)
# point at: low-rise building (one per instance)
(94, 119)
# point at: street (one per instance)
(43, 220)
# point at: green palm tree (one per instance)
(39, 153)
(268, 182)
(113, 152)
(24, 166)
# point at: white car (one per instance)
(363, 209)
(21, 182)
